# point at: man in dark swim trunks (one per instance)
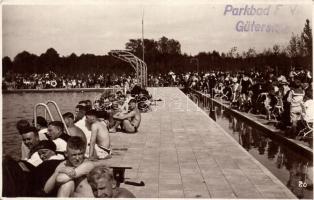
(102, 182)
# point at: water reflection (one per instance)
(294, 170)
(296, 166)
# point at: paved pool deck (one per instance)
(179, 152)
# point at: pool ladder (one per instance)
(47, 110)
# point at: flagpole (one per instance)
(143, 33)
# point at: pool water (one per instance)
(292, 169)
(20, 106)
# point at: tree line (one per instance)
(165, 54)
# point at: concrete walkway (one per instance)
(179, 152)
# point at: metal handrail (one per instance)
(138, 65)
(59, 113)
(46, 110)
(212, 111)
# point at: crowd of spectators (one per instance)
(52, 80)
(285, 98)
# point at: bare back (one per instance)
(102, 134)
(136, 118)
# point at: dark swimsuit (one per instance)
(105, 149)
(135, 128)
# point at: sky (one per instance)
(102, 26)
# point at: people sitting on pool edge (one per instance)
(80, 111)
(42, 127)
(85, 126)
(69, 177)
(29, 140)
(46, 150)
(57, 135)
(72, 128)
(27, 182)
(39, 175)
(108, 100)
(115, 113)
(99, 140)
(130, 121)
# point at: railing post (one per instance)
(59, 113)
(212, 113)
(46, 109)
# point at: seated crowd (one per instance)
(69, 159)
(51, 80)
